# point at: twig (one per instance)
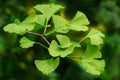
(40, 36)
(41, 45)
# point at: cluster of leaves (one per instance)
(47, 17)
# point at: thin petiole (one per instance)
(39, 35)
(82, 40)
(41, 45)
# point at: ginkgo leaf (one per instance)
(60, 24)
(64, 41)
(79, 22)
(93, 66)
(55, 50)
(26, 43)
(41, 20)
(30, 19)
(47, 66)
(17, 21)
(90, 62)
(92, 51)
(65, 48)
(19, 29)
(95, 37)
(48, 10)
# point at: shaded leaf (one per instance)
(26, 43)
(89, 61)
(93, 66)
(47, 66)
(92, 51)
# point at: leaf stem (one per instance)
(46, 25)
(82, 40)
(41, 45)
(40, 36)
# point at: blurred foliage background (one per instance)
(18, 64)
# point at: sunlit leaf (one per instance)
(60, 24)
(47, 66)
(64, 41)
(48, 9)
(95, 37)
(41, 20)
(65, 48)
(55, 50)
(30, 19)
(26, 43)
(19, 29)
(79, 22)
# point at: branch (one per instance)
(40, 36)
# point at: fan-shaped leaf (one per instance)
(95, 37)
(89, 61)
(47, 66)
(26, 43)
(79, 22)
(48, 10)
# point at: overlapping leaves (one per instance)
(28, 24)
(78, 23)
(48, 10)
(89, 60)
(65, 48)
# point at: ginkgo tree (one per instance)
(47, 19)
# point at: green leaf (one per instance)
(55, 50)
(64, 41)
(89, 60)
(17, 21)
(60, 24)
(79, 22)
(93, 66)
(65, 48)
(95, 37)
(30, 19)
(92, 51)
(48, 9)
(41, 20)
(26, 43)
(19, 29)
(47, 66)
